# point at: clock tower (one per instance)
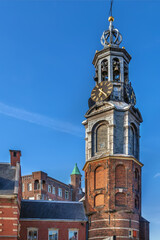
(113, 168)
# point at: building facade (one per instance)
(52, 220)
(113, 168)
(10, 197)
(39, 186)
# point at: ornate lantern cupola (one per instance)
(111, 65)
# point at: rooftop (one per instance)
(52, 210)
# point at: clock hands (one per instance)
(100, 89)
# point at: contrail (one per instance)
(41, 120)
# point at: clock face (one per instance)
(101, 91)
(131, 95)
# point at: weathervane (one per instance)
(111, 37)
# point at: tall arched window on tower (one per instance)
(116, 70)
(134, 141)
(100, 138)
(104, 70)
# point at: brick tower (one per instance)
(112, 168)
(77, 193)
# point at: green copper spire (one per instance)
(76, 170)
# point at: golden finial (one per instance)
(123, 47)
(111, 19)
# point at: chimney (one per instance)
(15, 157)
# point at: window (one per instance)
(100, 138)
(73, 234)
(116, 70)
(14, 154)
(29, 186)
(22, 187)
(52, 234)
(32, 234)
(36, 185)
(31, 198)
(54, 190)
(49, 188)
(60, 192)
(66, 195)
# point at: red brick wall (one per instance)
(43, 192)
(62, 227)
(117, 215)
(9, 211)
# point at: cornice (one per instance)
(114, 157)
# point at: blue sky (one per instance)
(46, 77)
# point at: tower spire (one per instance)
(112, 36)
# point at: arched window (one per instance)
(116, 70)
(134, 141)
(99, 200)
(100, 138)
(36, 185)
(120, 199)
(104, 70)
(120, 176)
(99, 177)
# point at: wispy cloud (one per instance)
(157, 175)
(38, 119)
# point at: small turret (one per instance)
(76, 183)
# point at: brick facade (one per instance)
(45, 187)
(44, 226)
(10, 201)
(111, 210)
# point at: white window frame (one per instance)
(73, 229)
(29, 185)
(53, 190)
(66, 194)
(32, 229)
(49, 187)
(60, 195)
(23, 187)
(53, 229)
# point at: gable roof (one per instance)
(52, 210)
(7, 179)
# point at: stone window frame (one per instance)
(135, 143)
(73, 230)
(32, 229)
(60, 192)
(29, 187)
(94, 136)
(49, 188)
(23, 187)
(53, 190)
(66, 194)
(53, 229)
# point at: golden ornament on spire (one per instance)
(111, 19)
